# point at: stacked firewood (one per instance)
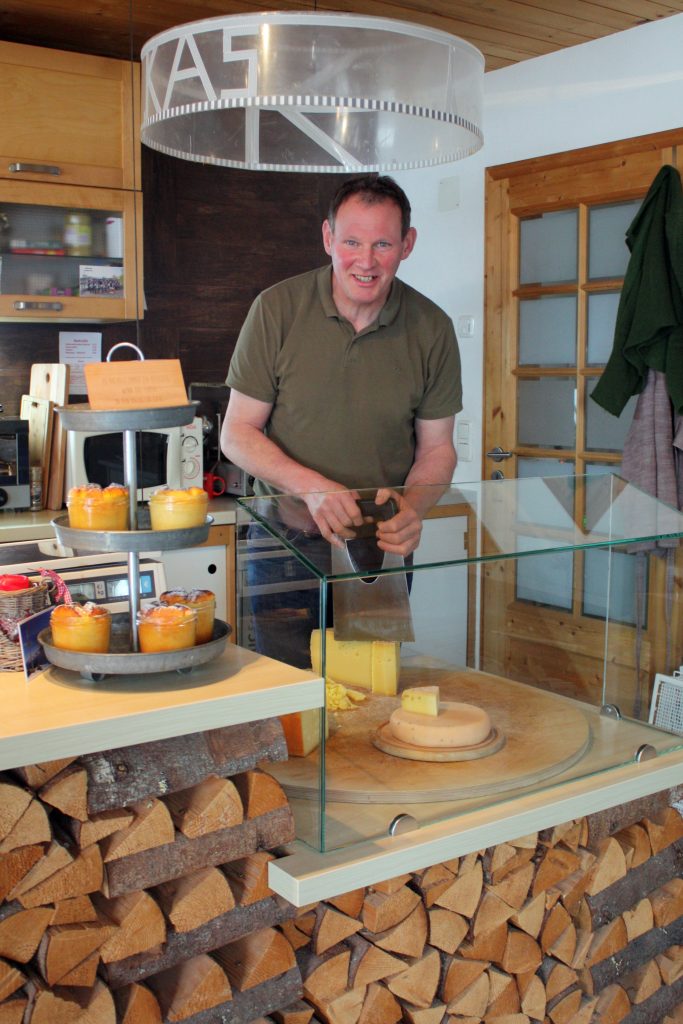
(579, 924)
(133, 884)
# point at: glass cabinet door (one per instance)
(70, 253)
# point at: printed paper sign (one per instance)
(76, 348)
(135, 384)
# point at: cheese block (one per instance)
(423, 700)
(370, 664)
(456, 725)
(302, 731)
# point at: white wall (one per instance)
(621, 86)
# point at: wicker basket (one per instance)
(15, 606)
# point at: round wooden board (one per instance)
(544, 735)
(384, 739)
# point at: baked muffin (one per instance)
(178, 509)
(204, 603)
(81, 627)
(166, 627)
(92, 507)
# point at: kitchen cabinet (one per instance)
(68, 117)
(43, 275)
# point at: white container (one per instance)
(114, 237)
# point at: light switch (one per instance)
(462, 440)
(465, 327)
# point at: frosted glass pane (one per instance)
(605, 432)
(545, 579)
(553, 499)
(602, 316)
(548, 248)
(546, 414)
(544, 467)
(547, 331)
(618, 575)
(608, 253)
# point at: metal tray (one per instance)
(120, 660)
(130, 540)
(82, 417)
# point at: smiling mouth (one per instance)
(364, 278)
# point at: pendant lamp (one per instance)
(319, 92)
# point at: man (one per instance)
(346, 378)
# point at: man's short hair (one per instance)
(372, 188)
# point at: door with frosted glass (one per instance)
(555, 262)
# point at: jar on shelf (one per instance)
(78, 234)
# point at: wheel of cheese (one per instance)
(456, 725)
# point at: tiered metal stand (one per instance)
(124, 658)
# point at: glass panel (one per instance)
(548, 248)
(57, 251)
(602, 317)
(547, 580)
(614, 574)
(546, 416)
(547, 331)
(608, 253)
(544, 467)
(605, 432)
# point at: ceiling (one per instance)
(506, 31)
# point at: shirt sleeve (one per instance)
(252, 367)
(443, 391)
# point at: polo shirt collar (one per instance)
(387, 314)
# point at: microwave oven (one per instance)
(165, 457)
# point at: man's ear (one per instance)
(327, 237)
(408, 243)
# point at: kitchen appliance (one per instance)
(213, 402)
(166, 457)
(15, 489)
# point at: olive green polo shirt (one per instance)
(344, 404)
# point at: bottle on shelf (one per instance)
(78, 233)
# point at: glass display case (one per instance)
(537, 627)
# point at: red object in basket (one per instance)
(13, 582)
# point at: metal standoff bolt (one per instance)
(401, 824)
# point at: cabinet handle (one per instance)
(54, 306)
(34, 168)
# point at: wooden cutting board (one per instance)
(51, 381)
(38, 412)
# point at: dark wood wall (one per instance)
(213, 238)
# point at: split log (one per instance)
(419, 983)
(298, 1013)
(556, 865)
(68, 792)
(248, 877)
(639, 920)
(432, 882)
(181, 946)
(151, 826)
(342, 1009)
(491, 913)
(663, 831)
(368, 963)
(446, 929)
(514, 888)
(99, 826)
(141, 925)
(15, 865)
(490, 947)
(565, 1009)
(194, 899)
(350, 903)
(55, 857)
(642, 982)
(532, 995)
(331, 927)
(36, 775)
(259, 793)
(464, 894)
(503, 859)
(124, 776)
(408, 938)
(613, 1005)
(51, 1005)
(522, 953)
(667, 1000)
(603, 824)
(435, 1014)
(63, 947)
(83, 975)
(608, 970)
(558, 978)
(503, 994)
(667, 902)
(635, 843)
(609, 866)
(529, 918)
(382, 911)
(607, 941)
(196, 985)
(11, 979)
(213, 804)
(459, 975)
(32, 827)
(151, 867)
(380, 1006)
(255, 1004)
(295, 937)
(473, 1000)
(392, 884)
(640, 880)
(670, 964)
(76, 910)
(323, 976)
(255, 958)
(82, 876)
(22, 930)
(137, 1004)
(13, 802)
(13, 1011)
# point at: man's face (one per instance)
(366, 249)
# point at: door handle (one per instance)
(497, 454)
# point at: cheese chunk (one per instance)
(423, 700)
(457, 725)
(302, 731)
(370, 664)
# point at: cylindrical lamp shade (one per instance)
(311, 92)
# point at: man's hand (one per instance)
(400, 534)
(335, 514)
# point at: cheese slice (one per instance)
(423, 700)
(456, 725)
(370, 664)
(302, 731)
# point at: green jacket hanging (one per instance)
(649, 326)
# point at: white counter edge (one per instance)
(306, 876)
